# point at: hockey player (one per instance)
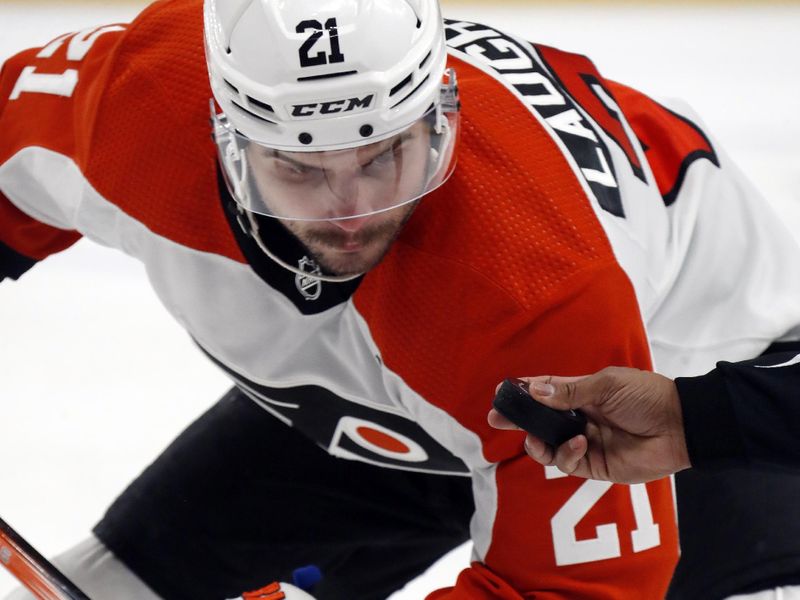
(365, 294)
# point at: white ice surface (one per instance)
(95, 379)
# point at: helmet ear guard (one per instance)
(232, 158)
(443, 146)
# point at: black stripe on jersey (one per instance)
(672, 195)
(12, 263)
(289, 249)
(779, 347)
(334, 423)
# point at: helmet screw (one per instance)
(305, 138)
(366, 130)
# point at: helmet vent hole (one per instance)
(233, 88)
(261, 105)
(366, 130)
(424, 60)
(250, 113)
(400, 85)
(305, 138)
(412, 92)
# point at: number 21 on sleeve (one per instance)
(60, 84)
(571, 551)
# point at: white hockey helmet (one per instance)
(306, 81)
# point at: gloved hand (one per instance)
(277, 591)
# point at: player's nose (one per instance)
(348, 199)
(351, 225)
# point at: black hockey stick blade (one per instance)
(33, 570)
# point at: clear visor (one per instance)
(339, 184)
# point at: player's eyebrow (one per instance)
(388, 144)
(296, 163)
(391, 144)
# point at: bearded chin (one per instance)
(340, 263)
(376, 241)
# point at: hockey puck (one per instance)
(515, 403)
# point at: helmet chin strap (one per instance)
(257, 237)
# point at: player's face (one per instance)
(338, 184)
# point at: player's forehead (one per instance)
(347, 154)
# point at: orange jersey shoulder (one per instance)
(129, 104)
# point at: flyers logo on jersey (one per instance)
(353, 435)
(354, 431)
(371, 433)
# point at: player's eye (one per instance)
(385, 159)
(294, 171)
(293, 168)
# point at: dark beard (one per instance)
(384, 233)
(336, 238)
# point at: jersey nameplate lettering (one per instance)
(521, 70)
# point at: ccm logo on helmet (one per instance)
(331, 107)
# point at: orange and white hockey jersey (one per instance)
(586, 225)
